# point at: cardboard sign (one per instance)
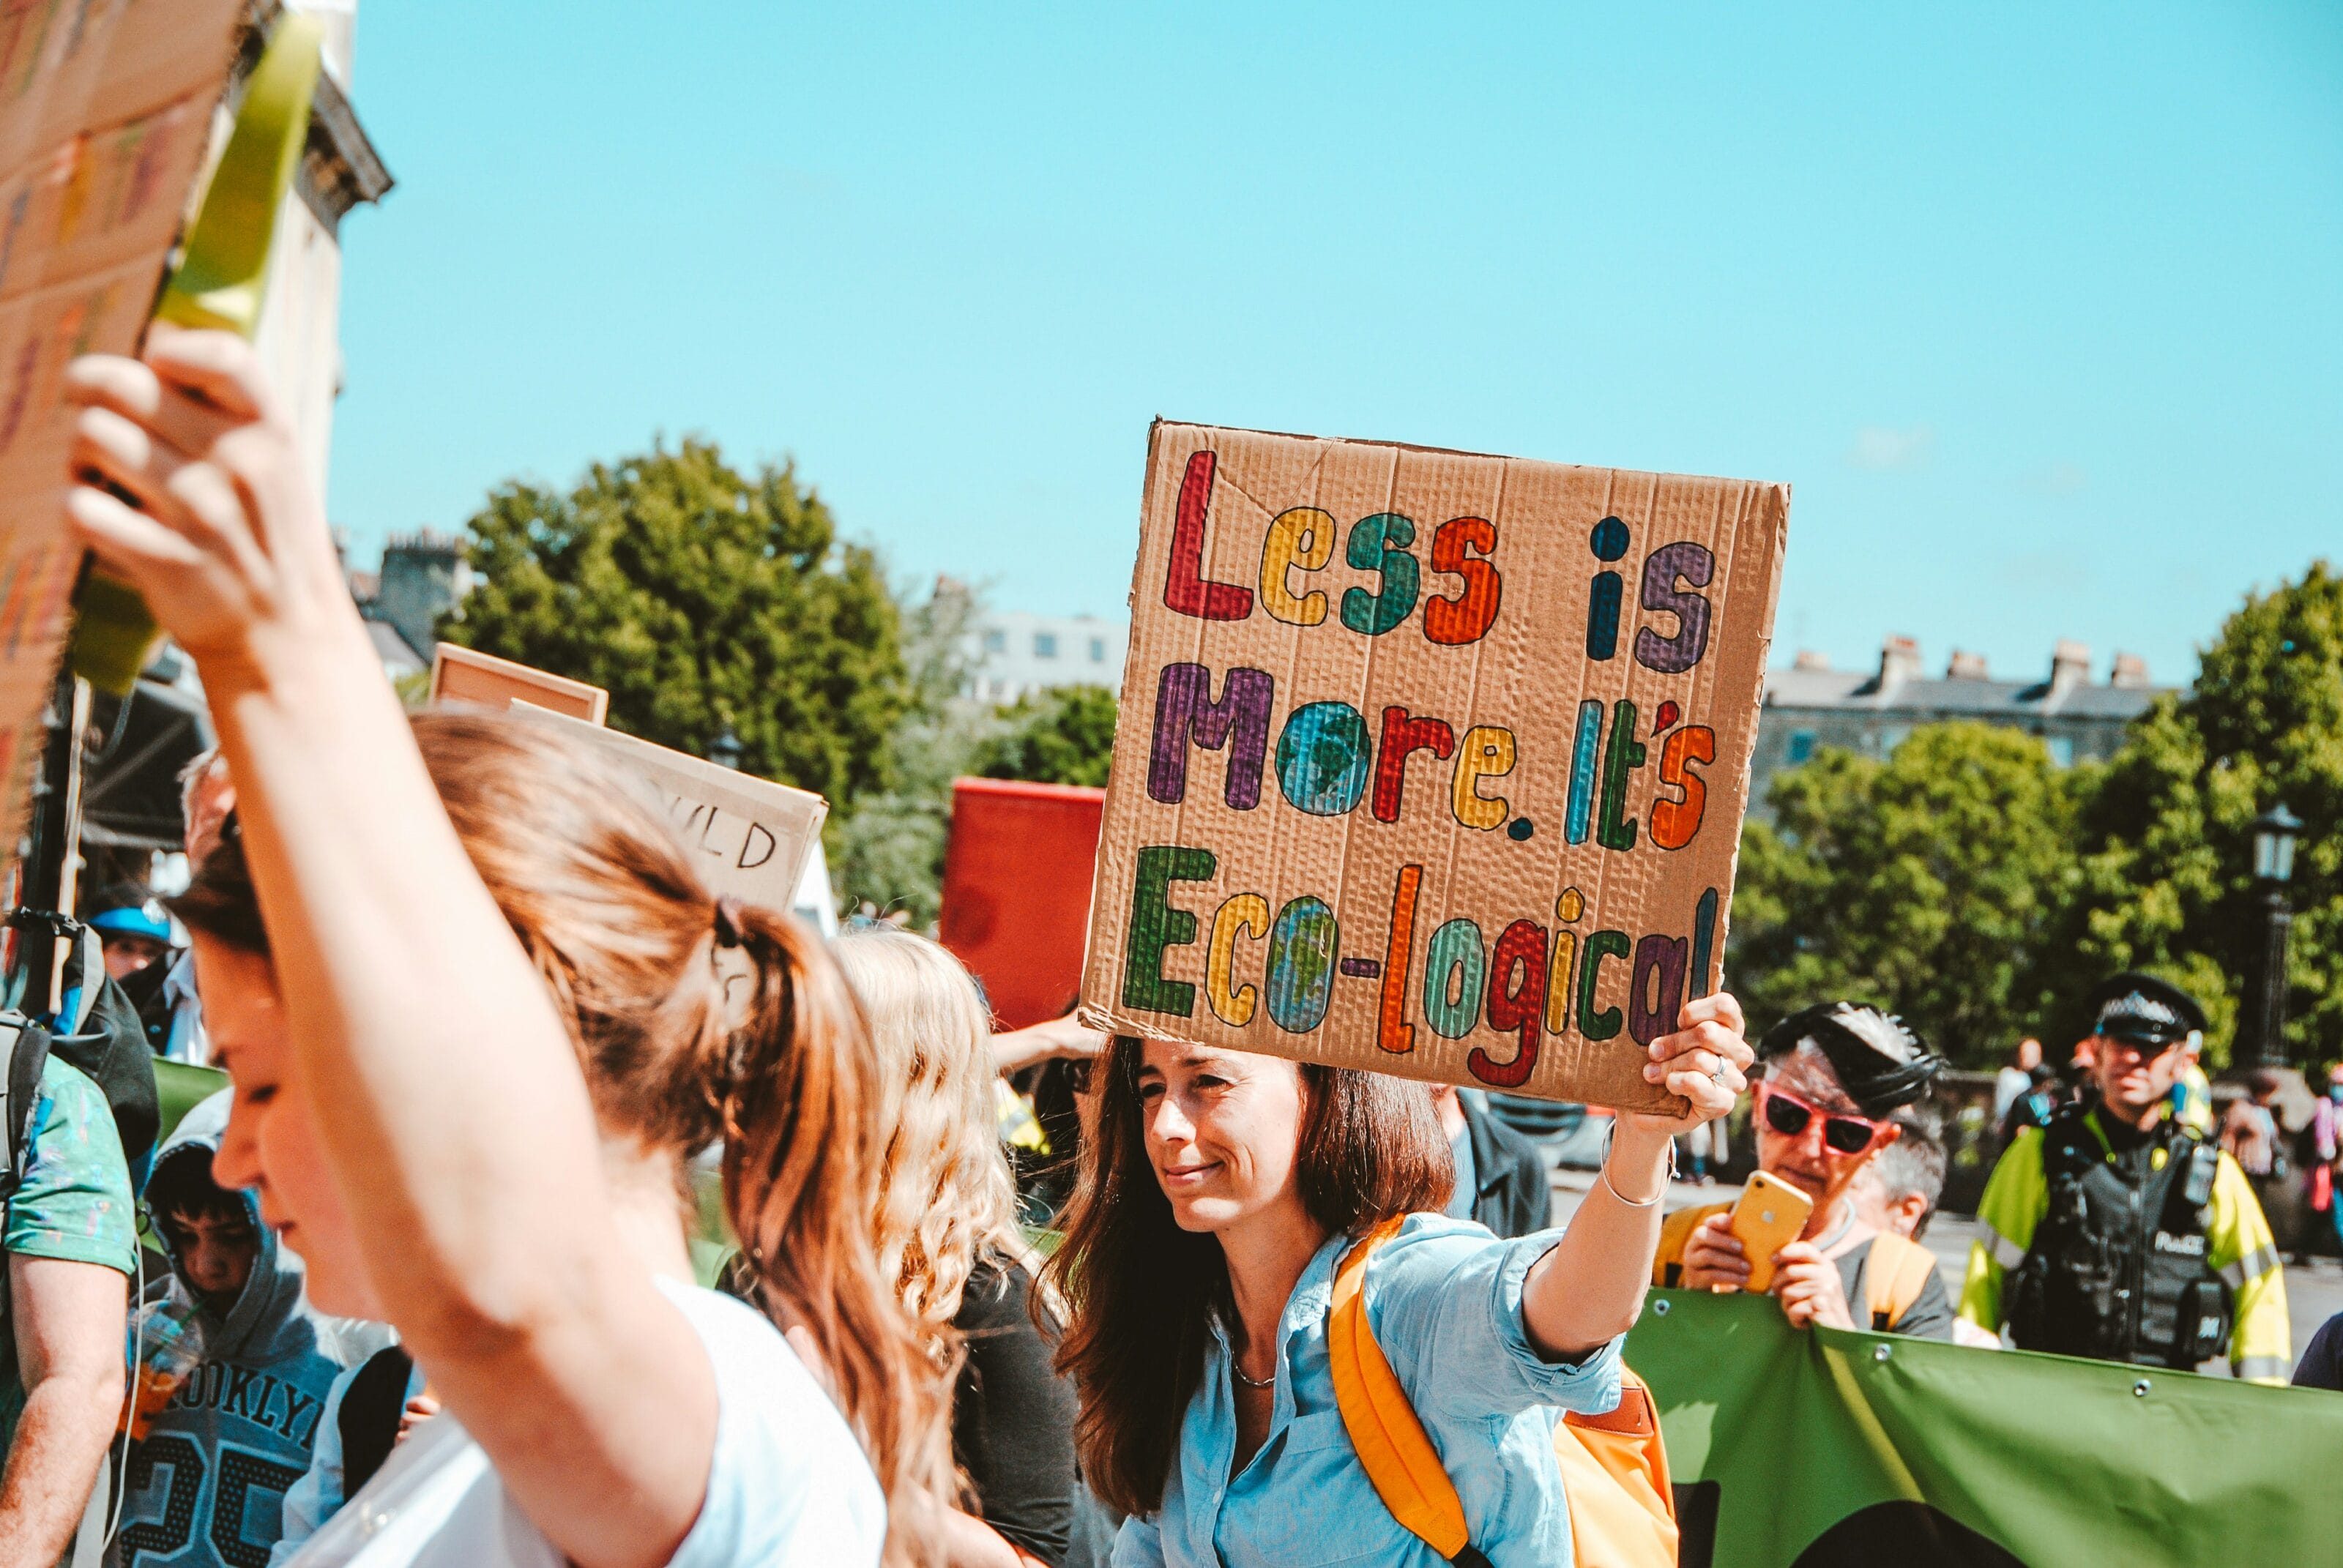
(749, 836)
(105, 115)
(462, 675)
(1430, 763)
(1016, 888)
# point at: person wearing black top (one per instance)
(946, 1228)
(1501, 1177)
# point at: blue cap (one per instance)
(146, 920)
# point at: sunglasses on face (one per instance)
(1788, 1115)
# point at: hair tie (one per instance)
(727, 921)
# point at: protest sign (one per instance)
(462, 675)
(749, 836)
(106, 110)
(1017, 886)
(1429, 762)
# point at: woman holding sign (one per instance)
(470, 994)
(1209, 1247)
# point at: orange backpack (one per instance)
(1614, 1469)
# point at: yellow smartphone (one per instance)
(1768, 1217)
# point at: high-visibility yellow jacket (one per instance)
(2238, 1249)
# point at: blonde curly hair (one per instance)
(945, 1191)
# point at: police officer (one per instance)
(2117, 1230)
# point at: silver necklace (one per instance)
(1237, 1373)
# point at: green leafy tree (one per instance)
(1060, 737)
(889, 852)
(2166, 878)
(703, 599)
(1924, 882)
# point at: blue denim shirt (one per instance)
(1444, 1300)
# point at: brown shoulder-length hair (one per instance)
(1140, 1291)
(591, 878)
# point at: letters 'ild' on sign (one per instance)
(1429, 762)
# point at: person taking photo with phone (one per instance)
(1839, 1084)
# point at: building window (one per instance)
(2062, 750)
(1802, 746)
(996, 641)
(1045, 644)
(1098, 651)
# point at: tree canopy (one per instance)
(1060, 737)
(703, 599)
(2165, 877)
(1923, 882)
(1980, 890)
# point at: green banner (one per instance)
(1827, 1449)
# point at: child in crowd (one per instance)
(233, 1370)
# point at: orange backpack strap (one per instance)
(1675, 1231)
(1894, 1275)
(1393, 1449)
(1614, 1469)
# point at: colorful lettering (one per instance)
(1521, 949)
(1609, 542)
(1393, 1031)
(1455, 971)
(1675, 821)
(1324, 757)
(1703, 940)
(1586, 752)
(1655, 989)
(1379, 544)
(1156, 925)
(1487, 752)
(1300, 538)
(1616, 830)
(1566, 911)
(1693, 564)
(1593, 1023)
(1185, 711)
(1247, 914)
(1301, 949)
(1187, 589)
(1402, 738)
(1467, 616)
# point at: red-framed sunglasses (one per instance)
(1788, 1115)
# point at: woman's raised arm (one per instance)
(456, 1116)
(1588, 1290)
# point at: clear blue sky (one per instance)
(2040, 308)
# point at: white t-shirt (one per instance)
(787, 1484)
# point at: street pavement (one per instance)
(2314, 1289)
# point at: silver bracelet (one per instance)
(1604, 1172)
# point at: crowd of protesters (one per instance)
(452, 955)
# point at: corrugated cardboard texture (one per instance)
(463, 675)
(105, 112)
(1386, 767)
(749, 836)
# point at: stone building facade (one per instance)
(1809, 705)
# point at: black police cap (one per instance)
(2143, 1011)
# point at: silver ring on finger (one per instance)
(1716, 1073)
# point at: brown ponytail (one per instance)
(801, 1161)
(612, 912)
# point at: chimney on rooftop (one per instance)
(1966, 665)
(1899, 661)
(2131, 672)
(1809, 659)
(2070, 666)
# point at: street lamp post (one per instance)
(2275, 832)
(726, 750)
